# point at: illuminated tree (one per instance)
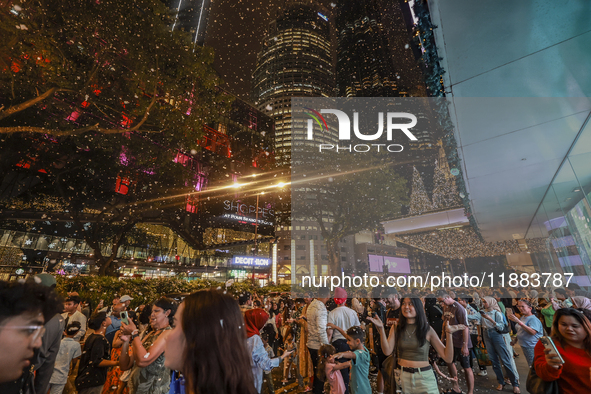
(419, 200)
(345, 195)
(445, 194)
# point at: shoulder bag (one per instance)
(536, 385)
(506, 328)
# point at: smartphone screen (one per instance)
(549, 345)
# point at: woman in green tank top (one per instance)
(411, 340)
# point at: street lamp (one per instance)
(256, 231)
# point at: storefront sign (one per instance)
(251, 261)
(242, 209)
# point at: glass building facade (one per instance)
(361, 31)
(564, 215)
(295, 61)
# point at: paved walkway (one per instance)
(483, 384)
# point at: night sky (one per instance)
(236, 29)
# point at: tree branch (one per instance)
(147, 113)
(59, 133)
(27, 104)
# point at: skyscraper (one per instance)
(375, 53)
(190, 16)
(295, 61)
(364, 62)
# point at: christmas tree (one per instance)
(419, 200)
(445, 194)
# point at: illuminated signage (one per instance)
(251, 261)
(394, 264)
(238, 211)
(241, 218)
(237, 273)
(323, 16)
(244, 209)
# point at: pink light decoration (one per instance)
(181, 158)
(73, 116)
(123, 157)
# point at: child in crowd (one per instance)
(267, 377)
(96, 357)
(289, 345)
(69, 350)
(329, 370)
(360, 357)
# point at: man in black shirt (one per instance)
(392, 299)
(95, 360)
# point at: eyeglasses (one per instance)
(33, 331)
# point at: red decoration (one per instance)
(192, 202)
(216, 142)
(123, 184)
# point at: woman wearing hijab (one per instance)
(580, 302)
(477, 300)
(498, 350)
(255, 320)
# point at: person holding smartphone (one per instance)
(491, 326)
(529, 329)
(571, 338)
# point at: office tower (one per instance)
(190, 16)
(295, 61)
(364, 62)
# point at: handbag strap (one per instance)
(395, 352)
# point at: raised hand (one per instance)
(552, 359)
(128, 329)
(454, 328)
(376, 321)
(286, 354)
(513, 318)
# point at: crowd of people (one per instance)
(212, 342)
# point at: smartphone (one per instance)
(549, 345)
(124, 317)
(510, 311)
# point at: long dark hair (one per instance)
(324, 353)
(216, 359)
(420, 320)
(557, 336)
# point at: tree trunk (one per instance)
(106, 267)
(334, 267)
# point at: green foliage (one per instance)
(115, 64)
(145, 291)
(346, 196)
